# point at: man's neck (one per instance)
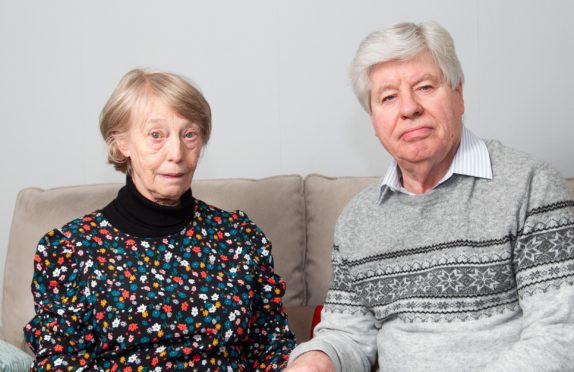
(419, 180)
(421, 177)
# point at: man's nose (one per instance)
(410, 107)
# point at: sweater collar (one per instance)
(133, 213)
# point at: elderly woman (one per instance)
(157, 279)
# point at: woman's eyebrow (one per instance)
(154, 120)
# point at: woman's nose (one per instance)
(174, 149)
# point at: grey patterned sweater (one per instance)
(476, 275)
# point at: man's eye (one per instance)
(155, 135)
(388, 98)
(426, 87)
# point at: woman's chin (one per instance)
(169, 196)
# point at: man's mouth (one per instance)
(415, 134)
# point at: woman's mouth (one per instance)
(172, 175)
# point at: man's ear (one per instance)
(458, 91)
(459, 88)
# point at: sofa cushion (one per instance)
(36, 212)
(325, 198)
(275, 204)
(300, 321)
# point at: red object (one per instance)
(316, 318)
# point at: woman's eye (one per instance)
(189, 135)
(155, 135)
(426, 87)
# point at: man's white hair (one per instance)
(403, 41)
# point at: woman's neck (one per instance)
(132, 213)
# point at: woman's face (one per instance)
(163, 149)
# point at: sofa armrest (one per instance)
(13, 359)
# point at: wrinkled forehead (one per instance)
(418, 67)
(146, 108)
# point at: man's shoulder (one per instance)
(511, 163)
(518, 173)
(360, 206)
(365, 198)
(502, 155)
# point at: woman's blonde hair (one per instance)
(129, 99)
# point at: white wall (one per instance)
(275, 73)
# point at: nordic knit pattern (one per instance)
(203, 299)
(476, 275)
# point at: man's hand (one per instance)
(311, 361)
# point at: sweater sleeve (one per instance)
(347, 331)
(270, 340)
(544, 269)
(60, 334)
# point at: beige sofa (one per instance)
(297, 214)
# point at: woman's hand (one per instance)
(311, 361)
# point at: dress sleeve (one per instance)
(61, 333)
(347, 331)
(544, 270)
(270, 340)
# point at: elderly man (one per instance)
(462, 259)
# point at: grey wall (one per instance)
(275, 73)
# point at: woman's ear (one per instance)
(122, 142)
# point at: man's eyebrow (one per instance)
(384, 87)
(387, 86)
(426, 77)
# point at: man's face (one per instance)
(416, 114)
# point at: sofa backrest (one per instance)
(275, 204)
(325, 198)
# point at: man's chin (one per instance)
(415, 157)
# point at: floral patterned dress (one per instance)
(204, 298)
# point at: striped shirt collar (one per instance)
(471, 159)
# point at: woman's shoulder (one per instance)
(77, 227)
(215, 217)
(212, 213)
(59, 266)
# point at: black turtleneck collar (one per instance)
(132, 213)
